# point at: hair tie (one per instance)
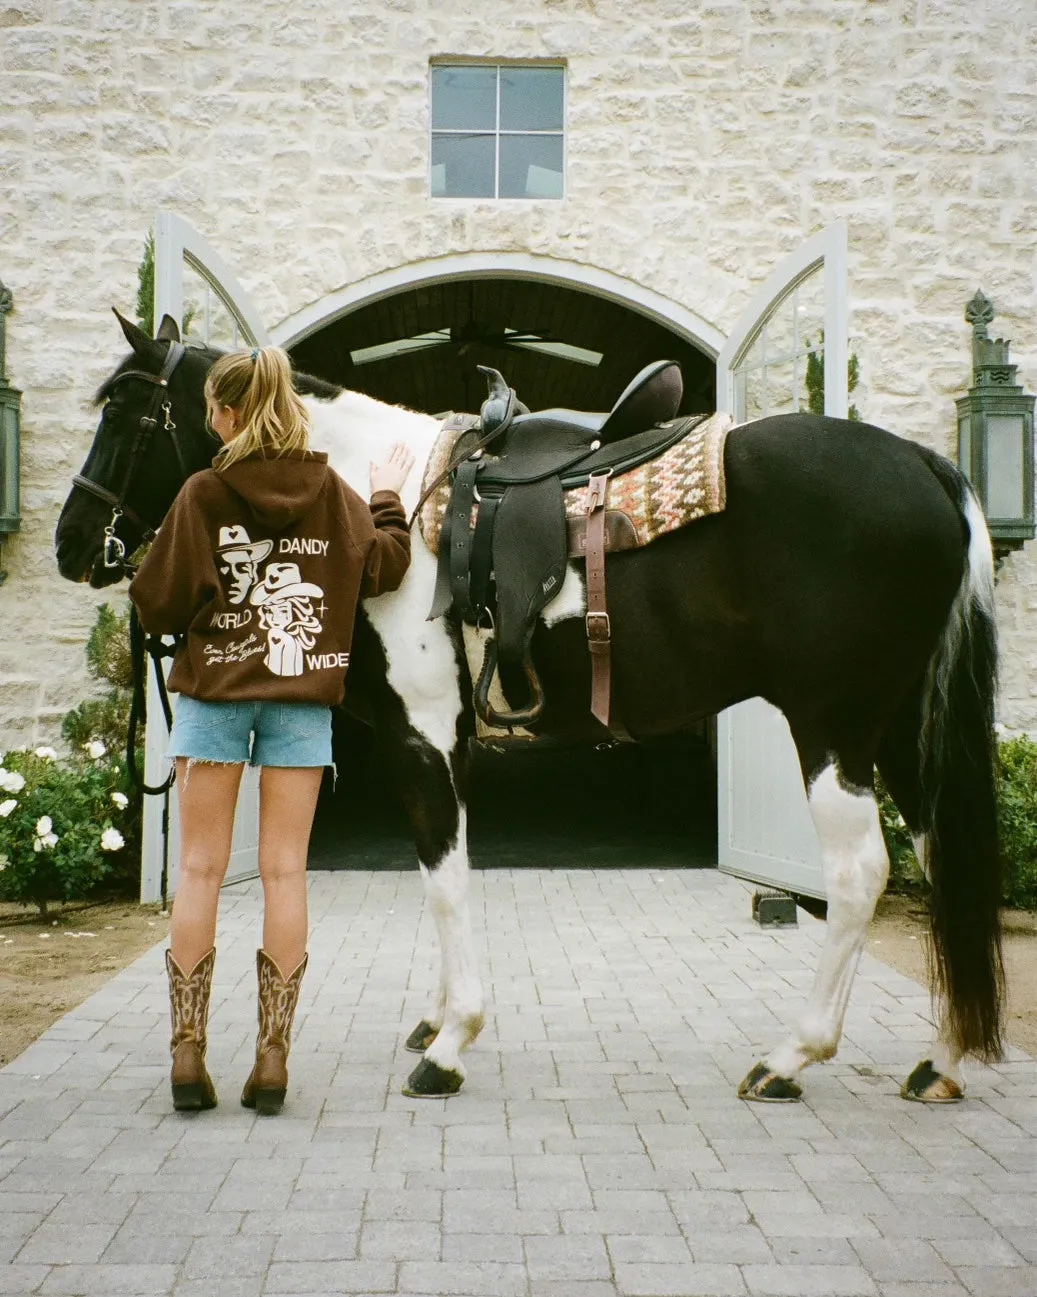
(255, 354)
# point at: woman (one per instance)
(259, 566)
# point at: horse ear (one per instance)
(168, 329)
(137, 338)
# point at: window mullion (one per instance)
(496, 144)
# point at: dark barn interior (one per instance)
(533, 804)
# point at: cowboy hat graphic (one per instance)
(235, 541)
(283, 581)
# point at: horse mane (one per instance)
(305, 384)
(320, 388)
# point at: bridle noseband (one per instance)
(114, 549)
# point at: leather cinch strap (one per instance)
(599, 627)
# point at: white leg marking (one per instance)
(461, 1019)
(856, 868)
(423, 671)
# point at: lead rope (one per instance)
(143, 647)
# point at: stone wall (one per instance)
(704, 142)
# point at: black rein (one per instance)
(142, 646)
(114, 549)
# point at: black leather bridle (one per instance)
(114, 549)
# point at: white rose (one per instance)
(121, 800)
(11, 781)
(7, 807)
(44, 825)
(44, 842)
(96, 749)
(112, 840)
(48, 754)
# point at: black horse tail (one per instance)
(958, 775)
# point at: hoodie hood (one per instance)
(280, 490)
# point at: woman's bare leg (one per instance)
(287, 801)
(207, 793)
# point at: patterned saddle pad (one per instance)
(683, 483)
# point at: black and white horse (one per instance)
(849, 582)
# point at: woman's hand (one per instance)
(390, 473)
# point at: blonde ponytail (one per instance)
(258, 385)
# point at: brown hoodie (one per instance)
(261, 567)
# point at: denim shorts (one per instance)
(263, 734)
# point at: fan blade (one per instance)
(561, 350)
(399, 347)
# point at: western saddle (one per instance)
(505, 541)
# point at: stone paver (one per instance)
(597, 1150)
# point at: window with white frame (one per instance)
(498, 130)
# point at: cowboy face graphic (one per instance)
(240, 556)
(287, 615)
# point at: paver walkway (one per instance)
(598, 1147)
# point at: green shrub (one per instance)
(62, 823)
(905, 874)
(79, 798)
(1017, 826)
(1017, 808)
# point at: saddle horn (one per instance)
(499, 408)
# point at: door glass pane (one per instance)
(531, 166)
(531, 99)
(774, 367)
(1005, 466)
(464, 98)
(207, 317)
(782, 384)
(467, 166)
(755, 398)
(809, 309)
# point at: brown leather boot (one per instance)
(266, 1086)
(189, 1008)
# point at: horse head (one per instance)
(151, 437)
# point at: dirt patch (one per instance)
(48, 966)
(898, 935)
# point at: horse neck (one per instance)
(355, 429)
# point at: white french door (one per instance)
(195, 286)
(765, 832)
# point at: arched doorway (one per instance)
(651, 805)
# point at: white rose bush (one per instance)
(68, 825)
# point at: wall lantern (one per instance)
(10, 409)
(995, 435)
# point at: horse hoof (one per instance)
(430, 1081)
(927, 1085)
(764, 1086)
(421, 1037)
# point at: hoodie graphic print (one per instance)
(260, 568)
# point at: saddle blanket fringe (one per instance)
(683, 483)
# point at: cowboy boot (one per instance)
(266, 1086)
(189, 1008)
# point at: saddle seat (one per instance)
(532, 444)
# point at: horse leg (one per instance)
(856, 866)
(938, 1077)
(426, 750)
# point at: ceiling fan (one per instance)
(462, 337)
